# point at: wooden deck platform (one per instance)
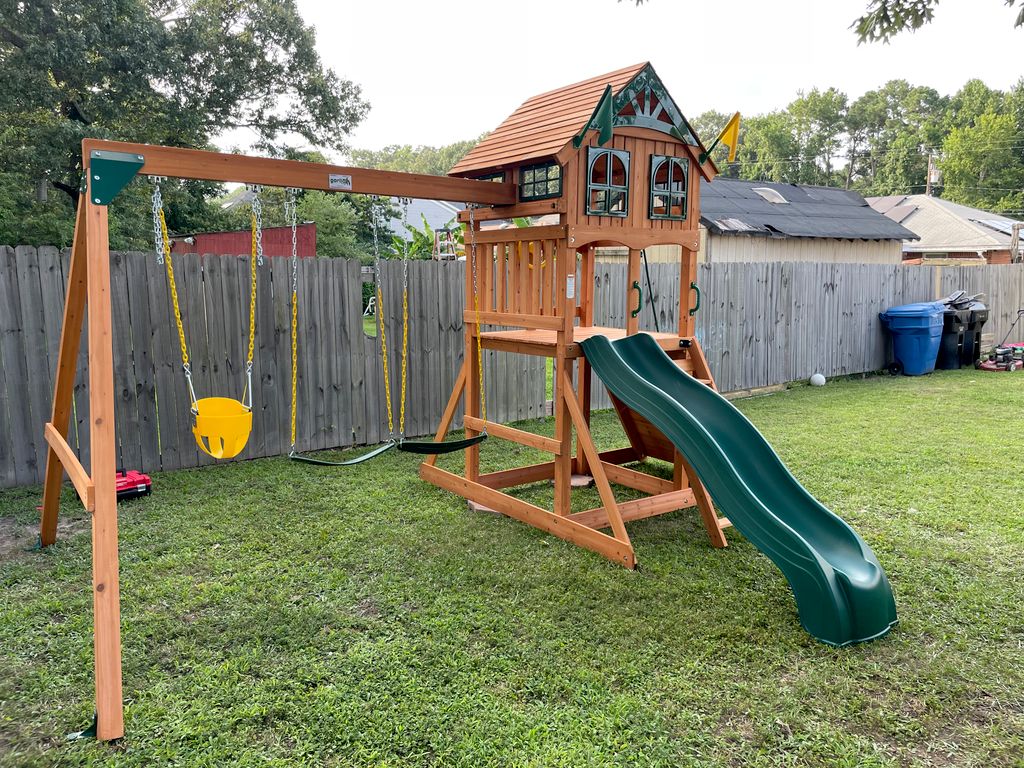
(543, 342)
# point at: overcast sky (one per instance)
(437, 71)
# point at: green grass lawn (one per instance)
(279, 614)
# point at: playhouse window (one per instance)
(537, 182)
(668, 187)
(607, 182)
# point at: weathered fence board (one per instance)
(760, 324)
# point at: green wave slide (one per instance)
(841, 591)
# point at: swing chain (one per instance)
(256, 260)
(291, 213)
(376, 217)
(406, 202)
(158, 204)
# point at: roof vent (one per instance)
(771, 195)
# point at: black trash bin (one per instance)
(977, 316)
(951, 348)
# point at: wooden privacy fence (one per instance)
(760, 324)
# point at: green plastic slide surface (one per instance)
(841, 591)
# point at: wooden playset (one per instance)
(612, 159)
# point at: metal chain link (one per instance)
(375, 219)
(292, 216)
(406, 202)
(158, 204)
(256, 259)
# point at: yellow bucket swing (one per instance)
(220, 425)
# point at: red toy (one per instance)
(132, 484)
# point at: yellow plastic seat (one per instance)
(222, 426)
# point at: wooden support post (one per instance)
(687, 275)
(472, 359)
(64, 377)
(105, 584)
(565, 307)
(711, 521)
(632, 293)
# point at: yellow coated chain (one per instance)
(405, 358)
(384, 353)
(295, 361)
(252, 291)
(173, 287)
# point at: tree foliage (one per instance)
(879, 143)
(884, 19)
(173, 72)
(435, 161)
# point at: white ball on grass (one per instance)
(817, 380)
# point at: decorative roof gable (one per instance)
(645, 103)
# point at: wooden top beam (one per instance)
(174, 162)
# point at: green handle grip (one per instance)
(695, 307)
(639, 299)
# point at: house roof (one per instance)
(740, 207)
(945, 226)
(439, 214)
(544, 124)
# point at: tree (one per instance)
(768, 150)
(434, 161)
(884, 19)
(983, 165)
(819, 120)
(175, 72)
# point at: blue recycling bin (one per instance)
(916, 335)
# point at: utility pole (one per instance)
(928, 177)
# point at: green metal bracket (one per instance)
(88, 733)
(695, 307)
(110, 172)
(639, 299)
(38, 546)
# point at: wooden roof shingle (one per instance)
(543, 124)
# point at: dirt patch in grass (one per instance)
(18, 537)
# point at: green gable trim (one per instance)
(642, 111)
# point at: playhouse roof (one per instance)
(544, 124)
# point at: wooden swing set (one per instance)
(537, 281)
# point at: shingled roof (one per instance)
(543, 124)
(769, 209)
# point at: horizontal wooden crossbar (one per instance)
(532, 208)
(639, 481)
(517, 319)
(178, 163)
(506, 432)
(520, 234)
(637, 509)
(76, 472)
(562, 527)
(534, 473)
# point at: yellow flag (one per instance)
(730, 136)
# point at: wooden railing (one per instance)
(517, 275)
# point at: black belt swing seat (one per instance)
(421, 447)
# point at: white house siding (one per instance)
(762, 249)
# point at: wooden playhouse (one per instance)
(615, 159)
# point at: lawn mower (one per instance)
(1005, 357)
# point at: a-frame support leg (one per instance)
(449, 411)
(105, 583)
(64, 378)
(712, 522)
(585, 441)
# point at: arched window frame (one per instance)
(599, 154)
(670, 195)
